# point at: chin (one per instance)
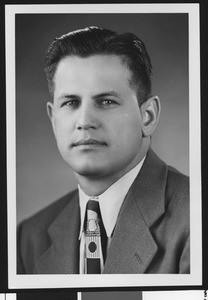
(89, 170)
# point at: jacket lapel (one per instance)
(63, 255)
(133, 246)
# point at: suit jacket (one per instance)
(151, 234)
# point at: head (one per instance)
(102, 113)
(99, 41)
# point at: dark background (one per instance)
(49, 295)
(42, 175)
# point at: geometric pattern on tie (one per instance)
(93, 252)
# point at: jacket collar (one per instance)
(133, 246)
(149, 188)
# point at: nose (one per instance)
(87, 119)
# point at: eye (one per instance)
(107, 102)
(74, 103)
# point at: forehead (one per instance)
(92, 75)
(96, 65)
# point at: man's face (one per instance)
(95, 115)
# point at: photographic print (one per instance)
(103, 145)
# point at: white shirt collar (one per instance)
(111, 200)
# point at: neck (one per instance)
(95, 186)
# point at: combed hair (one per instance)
(100, 41)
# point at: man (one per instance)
(103, 115)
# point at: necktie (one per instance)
(93, 246)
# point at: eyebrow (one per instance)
(67, 96)
(105, 94)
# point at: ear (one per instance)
(50, 112)
(150, 110)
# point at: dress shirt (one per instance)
(110, 203)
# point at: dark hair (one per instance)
(93, 41)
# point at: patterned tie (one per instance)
(93, 248)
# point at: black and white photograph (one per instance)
(103, 145)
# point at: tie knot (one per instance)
(93, 205)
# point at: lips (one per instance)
(89, 142)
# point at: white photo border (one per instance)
(16, 281)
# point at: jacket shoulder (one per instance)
(177, 184)
(177, 200)
(32, 234)
(43, 218)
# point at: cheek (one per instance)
(61, 128)
(128, 125)
(131, 137)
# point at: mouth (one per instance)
(89, 143)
